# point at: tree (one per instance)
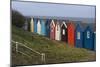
(17, 19)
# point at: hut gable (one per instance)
(88, 30)
(64, 23)
(52, 24)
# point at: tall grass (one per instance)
(56, 51)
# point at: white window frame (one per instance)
(78, 35)
(63, 32)
(88, 34)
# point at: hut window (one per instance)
(88, 34)
(78, 35)
(63, 31)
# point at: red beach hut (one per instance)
(71, 34)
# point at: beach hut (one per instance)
(35, 25)
(43, 26)
(57, 31)
(39, 27)
(52, 30)
(71, 34)
(31, 25)
(25, 27)
(64, 31)
(94, 41)
(79, 36)
(48, 21)
(88, 38)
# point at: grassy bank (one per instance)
(56, 51)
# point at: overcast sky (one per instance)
(48, 9)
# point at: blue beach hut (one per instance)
(94, 41)
(35, 25)
(88, 38)
(79, 36)
(48, 27)
(43, 26)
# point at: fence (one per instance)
(17, 45)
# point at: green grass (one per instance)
(56, 51)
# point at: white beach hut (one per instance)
(57, 31)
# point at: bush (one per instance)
(17, 19)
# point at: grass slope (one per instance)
(56, 51)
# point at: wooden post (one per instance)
(16, 46)
(43, 57)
